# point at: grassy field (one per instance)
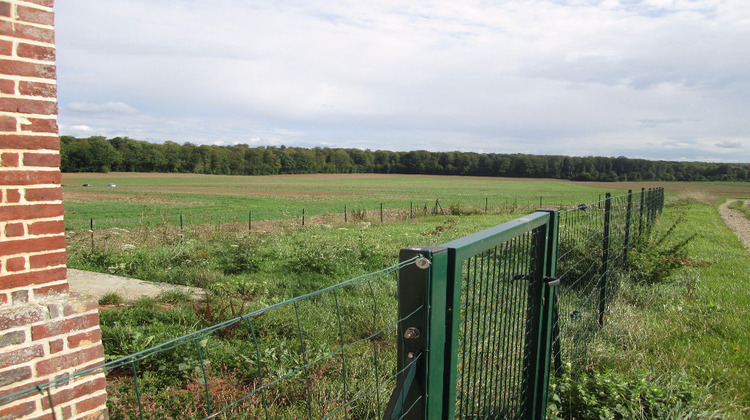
(151, 199)
(687, 335)
(691, 328)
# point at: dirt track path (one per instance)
(736, 221)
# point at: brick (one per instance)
(85, 339)
(3, 298)
(16, 357)
(15, 375)
(41, 125)
(45, 90)
(11, 411)
(16, 318)
(14, 229)
(35, 52)
(7, 123)
(53, 365)
(4, 9)
(33, 278)
(56, 346)
(15, 264)
(6, 47)
(29, 177)
(55, 310)
(9, 160)
(91, 403)
(47, 260)
(20, 296)
(49, 160)
(81, 390)
(79, 306)
(28, 106)
(28, 14)
(12, 338)
(18, 246)
(7, 86)
(12, 195)
(13, 67)
(47, 228)
(26, 142)
(31, 211)
(67, 412)
(55, 289)
(43, 194)
(65, 326)
(32, 33)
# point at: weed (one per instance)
(609, 395)
(111, 298)
(656, 258)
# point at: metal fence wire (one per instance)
(594, 242)
(325, 355)
(502, 307)
(468, 329)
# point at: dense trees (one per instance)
(122, 154)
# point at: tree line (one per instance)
(122, 154)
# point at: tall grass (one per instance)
(685, 335)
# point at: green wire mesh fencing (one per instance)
(593, 246)
(328, 354)
(484, 332)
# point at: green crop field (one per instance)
(159, 199)
(150, 199)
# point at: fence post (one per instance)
(486, 202)
(381, 212)
(605, 260)
(640, 216)
(542, 304)
(421, 294)
(345, 214)
(628, 212)
(303, 217)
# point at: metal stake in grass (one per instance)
(303, 217)
(92, 235)
(345, 214)
(249, 220)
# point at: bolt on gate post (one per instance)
(476, 322)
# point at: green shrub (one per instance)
(656, 258)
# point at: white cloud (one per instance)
(537, 76)
(107, 107)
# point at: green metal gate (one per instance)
(476, 330)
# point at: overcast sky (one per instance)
(655, 79)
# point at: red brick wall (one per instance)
(44, 331)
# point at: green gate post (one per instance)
(421, 308)
(628, 213)
(543, 297)
(605, 260)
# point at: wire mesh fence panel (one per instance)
(486, 298)
(493, 329)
